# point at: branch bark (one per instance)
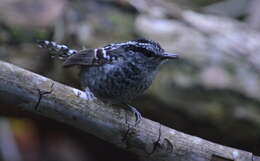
(149, 139)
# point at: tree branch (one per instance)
(148, 139)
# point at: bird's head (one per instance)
(151, 49)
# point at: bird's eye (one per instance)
(142, 50)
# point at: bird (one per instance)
(115, 73)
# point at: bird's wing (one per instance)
(84, 57)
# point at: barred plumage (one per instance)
(62, 51)
(118, 72)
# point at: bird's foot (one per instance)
(138, 116)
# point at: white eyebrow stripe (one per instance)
(117, 45)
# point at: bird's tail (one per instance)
(56, 50)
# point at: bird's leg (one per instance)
(138, 115)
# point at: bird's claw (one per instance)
(138, 116)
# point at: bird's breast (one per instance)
(117, 82)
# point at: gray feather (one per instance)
(82, 58)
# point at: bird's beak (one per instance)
(167, 55)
